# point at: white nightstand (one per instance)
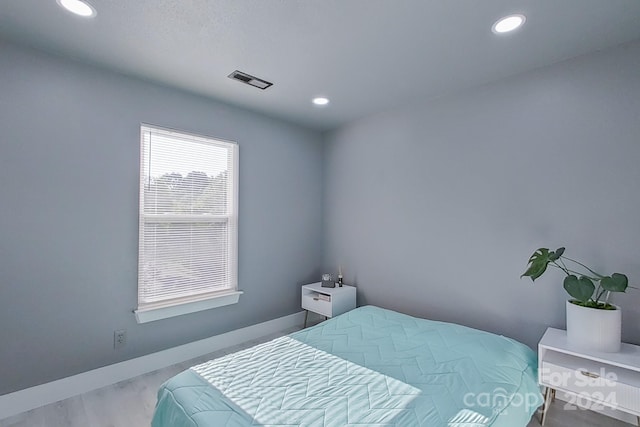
(328, 302)
(610, 380)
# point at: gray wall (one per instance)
(434, 209)
(69, 153)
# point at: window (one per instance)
(188, 223)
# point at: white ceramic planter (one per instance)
(593, 329)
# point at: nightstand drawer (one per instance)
(592, 383)
(328, 302)
(313, 302)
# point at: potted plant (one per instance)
(593, 323)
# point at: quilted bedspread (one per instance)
(367, 367)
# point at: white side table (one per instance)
(594, 378)
(328, 302)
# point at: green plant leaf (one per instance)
(581, 289)
(617, 282)
(555, 255)
(538, 263)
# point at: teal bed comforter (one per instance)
(367, 367)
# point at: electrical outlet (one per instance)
(119, 338)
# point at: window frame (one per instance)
(147, 312)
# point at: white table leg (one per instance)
(548, 394)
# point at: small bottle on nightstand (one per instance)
(340, 280)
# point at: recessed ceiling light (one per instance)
(78, 7)
(320, 101)
(508, 23)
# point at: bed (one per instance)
(367, 367)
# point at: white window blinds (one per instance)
(188, 218)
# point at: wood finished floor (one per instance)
(130, 403)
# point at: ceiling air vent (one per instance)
(250, 80)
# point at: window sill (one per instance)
(153, 314)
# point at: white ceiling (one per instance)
(365, 55)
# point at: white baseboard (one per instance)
(572, 405)
(34, 397)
